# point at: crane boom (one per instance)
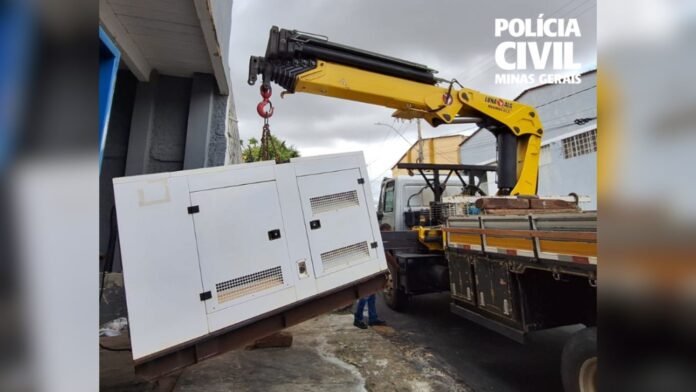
(302, 62)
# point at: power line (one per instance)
(565, 96)
(384, 141)
(548, 126)
(564, 117)
(397, 131)
(585, 11)
(379, 176)
(568, 12)
(561, 7)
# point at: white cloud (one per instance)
(455, 38)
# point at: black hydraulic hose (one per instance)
(408, 202)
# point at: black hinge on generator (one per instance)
(274, 234)
(373, 245)
(193, 210)
(205, 295)
(361, 181)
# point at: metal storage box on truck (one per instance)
(205, 250)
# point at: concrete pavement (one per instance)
(471, 354)
(424, 349)
(328, 354)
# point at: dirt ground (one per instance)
(328, 353)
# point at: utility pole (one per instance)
(420, 142)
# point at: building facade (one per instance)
(443, 149)
(568, 160)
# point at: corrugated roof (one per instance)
(548, 84)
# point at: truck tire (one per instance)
(579, 362)
(393, 295)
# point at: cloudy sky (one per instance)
(454, 37)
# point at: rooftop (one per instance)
(173, 37)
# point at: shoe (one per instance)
(377, 322)
(360, 324)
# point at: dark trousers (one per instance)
(371, 308)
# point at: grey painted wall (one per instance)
(478, 148)
(115, 151)
(207, 120)
(217, 142)
(158, 126)
(222, 15)
(562, 176)
(234, 144)
(169, 124)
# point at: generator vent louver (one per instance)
(249, 284)
(335, 201)
(345, 255)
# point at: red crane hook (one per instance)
(261, 107)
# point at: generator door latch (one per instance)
(361, 181)
(315, 224)
(205, 295)
(373, 245)
(193, 210)
(274, 234)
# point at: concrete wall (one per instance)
(561, 176)
(234, 143)
(222, 15)
(444, 149)
(207, 121)
(158, 128)
(115, 152)
(478, 148)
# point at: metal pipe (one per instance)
(467, 120)
(367, 63)
(507, 162)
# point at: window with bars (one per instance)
(580, 144)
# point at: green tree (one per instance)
(252, 151)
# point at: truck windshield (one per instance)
(426, 196)
(389, 197)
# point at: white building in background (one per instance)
(568, 161)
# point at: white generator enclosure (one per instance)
(207, 249)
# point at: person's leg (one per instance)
(371, 308)
(358, 316)
(372, 311)
(359, 309)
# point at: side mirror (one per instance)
(380, 215)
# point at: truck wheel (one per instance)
(579, 362)
(394, 296)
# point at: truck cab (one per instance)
(513, 265)
(403, 199)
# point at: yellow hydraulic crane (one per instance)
(303, 62)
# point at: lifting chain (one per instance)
(267, 150)
(267, 145)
